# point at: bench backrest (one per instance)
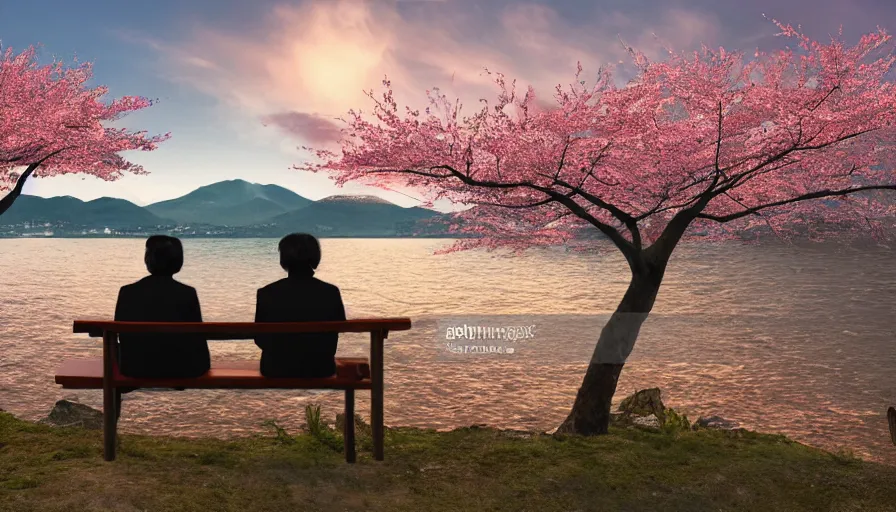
(240, 330)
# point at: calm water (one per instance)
(795, 340)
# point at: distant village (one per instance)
(67, 230)
(64, 230)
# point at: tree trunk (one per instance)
(591, 411)
(11, 197)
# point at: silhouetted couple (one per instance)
(300, 297)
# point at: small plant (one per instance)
(320, 430)
(282, 436)
(676, 422)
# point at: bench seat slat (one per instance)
(351, 373)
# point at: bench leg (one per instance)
(110, 422)
(376, 393)
(110, 396)
(348, 429)
(376, 422)
(891, 420)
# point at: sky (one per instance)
(242, 84)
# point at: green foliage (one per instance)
(280, 433)
(21, 482)
(74, 452)
(320, 431)
(676, 422)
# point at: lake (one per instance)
(797, 340)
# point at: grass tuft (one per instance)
(320, 431)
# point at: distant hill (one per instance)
(98, 213)
(230, 203)
(232, 209)
(352, 216)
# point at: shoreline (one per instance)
(50, 469)
(643, 410)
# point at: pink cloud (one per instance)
(308, 127)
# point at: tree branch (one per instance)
(627, 248)
(737, 179)
(520, 206)
(719, 141)
(14, 194)
(804, 197)
(622, 216)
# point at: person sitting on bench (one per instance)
(159, 298)
(300, 297)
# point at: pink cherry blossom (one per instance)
(51, 120)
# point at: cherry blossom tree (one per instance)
(50, 119)
(709, 142)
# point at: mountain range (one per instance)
(98, 213)
(236, 207)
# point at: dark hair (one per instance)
(299, 252)
(164, 255)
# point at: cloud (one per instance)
(306, 62)
(309, 127)
(316, 58)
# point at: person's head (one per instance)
(299, 253)
(164, 255)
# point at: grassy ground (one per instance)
(61, 469)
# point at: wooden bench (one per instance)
(351, 374)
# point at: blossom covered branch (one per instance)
(705, 138)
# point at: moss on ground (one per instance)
(49, 469)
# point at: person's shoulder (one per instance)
(326, 286)
(127, 289)
(273, 286)
(183, 287)
(136, 285)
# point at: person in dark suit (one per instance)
(300, 297)
(159, 298)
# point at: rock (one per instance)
(519, 434)
(650, 422)
(72, 414)
(644, 409)
(715, 422)
(647, 402)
